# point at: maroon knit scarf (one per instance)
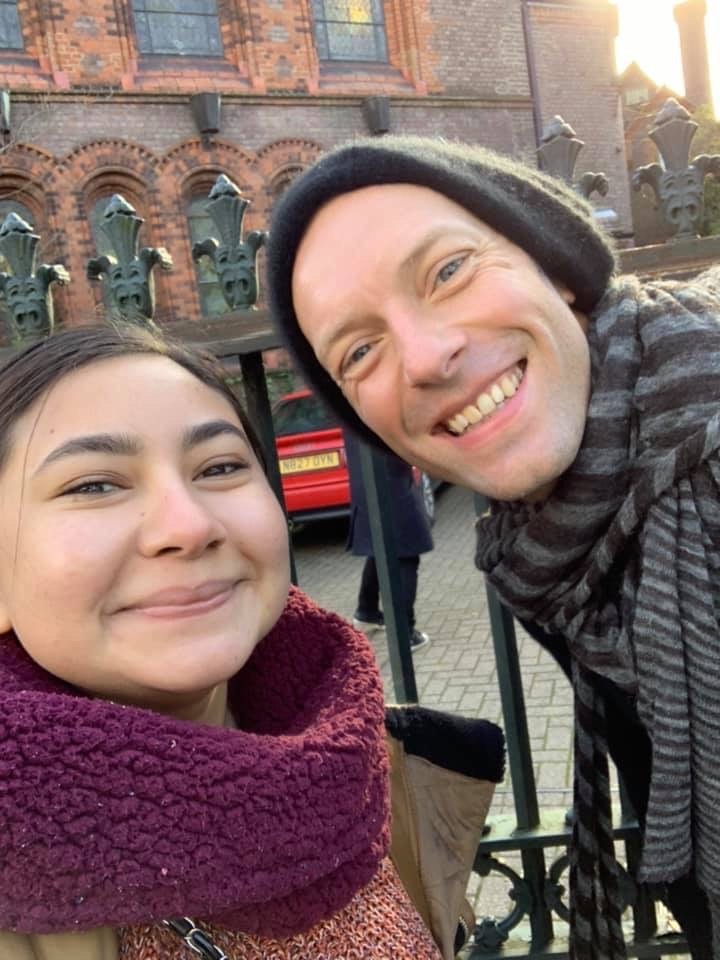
(113, 815)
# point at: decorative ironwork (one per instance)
(678, 184)
(234, 257)
(128, 272)
(491, 933)
(26, 288)
(558, 153)
(178, 27)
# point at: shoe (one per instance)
(369, 624)
(418, 639)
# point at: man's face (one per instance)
(445, 338)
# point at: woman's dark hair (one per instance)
(38, 367)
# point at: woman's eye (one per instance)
(446, 272)
(224, 469)
(90, 488)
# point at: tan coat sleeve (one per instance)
(91, 945)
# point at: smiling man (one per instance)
(463, 310)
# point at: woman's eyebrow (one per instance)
(202, 432)
(117, 444)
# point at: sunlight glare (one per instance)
(648, 34)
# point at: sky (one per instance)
(648, 34)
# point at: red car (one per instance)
(311, 453)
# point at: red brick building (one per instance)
(101, 104)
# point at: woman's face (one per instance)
(143, 554)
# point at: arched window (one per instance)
(10, 33)
(10, 206)
(350, 30)
(185, 28)
(201, 226)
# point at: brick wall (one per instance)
(480, 49)
(90, 116)
(576, 78)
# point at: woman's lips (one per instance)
(182, 602)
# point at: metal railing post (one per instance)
(384, 541)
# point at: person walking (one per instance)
(412, 534)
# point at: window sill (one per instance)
(349, 73)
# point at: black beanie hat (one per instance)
(538, 213)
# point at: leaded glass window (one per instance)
(186, 28)
(10, 33)
(201, 226)
(350, 30)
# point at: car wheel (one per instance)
(428, 497)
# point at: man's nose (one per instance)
(429, 350)
(177, 519)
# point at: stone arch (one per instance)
(196, 160)
(289, 152)
(100, 156)
(30, 175)
(281, 161)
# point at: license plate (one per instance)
(316, 461)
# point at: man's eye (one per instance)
(355, 356)
(447, 271)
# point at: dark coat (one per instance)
(412, 528)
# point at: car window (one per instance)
(302, 414)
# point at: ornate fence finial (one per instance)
(234, 258)
(129, 270)
(678, 184)
(27, 287)
(558, 156)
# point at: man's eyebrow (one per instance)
(349, 322)
(202, 432)
(118, 444)
(426, 241)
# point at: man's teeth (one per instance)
(487, 403)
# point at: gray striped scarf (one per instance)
(623, 560)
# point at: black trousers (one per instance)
(631, 752)
(368, 604)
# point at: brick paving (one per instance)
(456, 672)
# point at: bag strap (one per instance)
(195, 938)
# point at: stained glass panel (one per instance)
(10, 33)
(350, 30)
(178, 27)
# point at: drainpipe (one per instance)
(532, 70)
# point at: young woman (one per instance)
(187, 745)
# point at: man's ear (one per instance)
(566, 293)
